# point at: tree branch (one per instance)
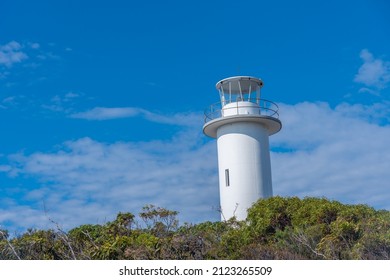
(10, 245)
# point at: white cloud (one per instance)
(374, 72)
(11, 53)
(341, 153)
(86, 181)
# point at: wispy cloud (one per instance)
(103, 113)
(11, 53)
(374, 73)
(35, 45)
(106, 113)
(11, 101)
(30, 55)
(5, 168)
(61, 103)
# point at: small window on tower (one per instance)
(227, 179)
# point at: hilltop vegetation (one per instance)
(276, 228)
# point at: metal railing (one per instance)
(261, 107)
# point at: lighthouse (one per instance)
(242, 122)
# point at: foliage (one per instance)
(276, 228)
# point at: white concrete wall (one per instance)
(243, 149)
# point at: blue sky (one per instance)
(101, 103)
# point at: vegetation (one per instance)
(276, 228)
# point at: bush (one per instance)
(276, 228)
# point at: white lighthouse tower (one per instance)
(242, 123)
